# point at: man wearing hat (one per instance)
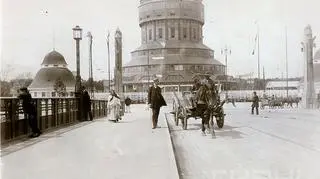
(30, 110)
(155, 101)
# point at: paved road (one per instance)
(96, 150)
(282, 143)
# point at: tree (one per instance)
(60, 88)
(5, 90)
(97, 85)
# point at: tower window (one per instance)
(184, 33)
(160, 33)
(150, 34)
(194, 33)
(173, 34)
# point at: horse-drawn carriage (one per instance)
(185, 106)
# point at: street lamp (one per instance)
(77, 35)
(89, 35)
(226, 52)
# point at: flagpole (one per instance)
(258, 53)
(287, 76)
(109, 61)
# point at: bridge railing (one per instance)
(51, 113)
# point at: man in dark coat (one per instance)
(255, 103)
(30, 110)
(155, 101)
(87, 106)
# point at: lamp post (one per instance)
(77, 35)
(109, 71)
(89, 35)
(226, 52)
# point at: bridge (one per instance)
(279, 143)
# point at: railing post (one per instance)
(99, 102)
(67, 110)
(94, 108)
(14, 109)
(39, 113)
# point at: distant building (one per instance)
(171, 47)
(279, 88)
(53, 70)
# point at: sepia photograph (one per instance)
(160, 89)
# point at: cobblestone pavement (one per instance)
(280, 143)
(96, 150)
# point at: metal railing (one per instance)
(51, 113)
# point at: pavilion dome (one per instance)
(53, 69)
(54, 58)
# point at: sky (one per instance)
(28, 33)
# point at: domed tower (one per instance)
(53, 78)
(171, 46)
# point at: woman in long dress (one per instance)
(114, 107)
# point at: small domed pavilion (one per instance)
(53, 77)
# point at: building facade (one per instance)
(171, 47)
(54, 79)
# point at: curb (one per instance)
(173, 149)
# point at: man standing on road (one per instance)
(30, 110)
(255, 103)
(155, 101)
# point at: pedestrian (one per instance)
(155, 101)
(30, 110)
(87, 106)
(255, 103)
(114, 106)
(127, 102)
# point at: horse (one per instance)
(206, 97)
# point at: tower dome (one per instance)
(54, 58)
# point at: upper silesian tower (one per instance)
(171, 46)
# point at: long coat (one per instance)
(27, 105)
(86, 102)
(155, 98)
(114, 108)
(255, 101)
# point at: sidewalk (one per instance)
(129, 149)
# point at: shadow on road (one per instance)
(229, 131)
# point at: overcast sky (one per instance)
(28, 32)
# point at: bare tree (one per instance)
(23, 79)
(5, 72)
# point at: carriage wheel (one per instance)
(185, 123)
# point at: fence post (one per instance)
(39, 113)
